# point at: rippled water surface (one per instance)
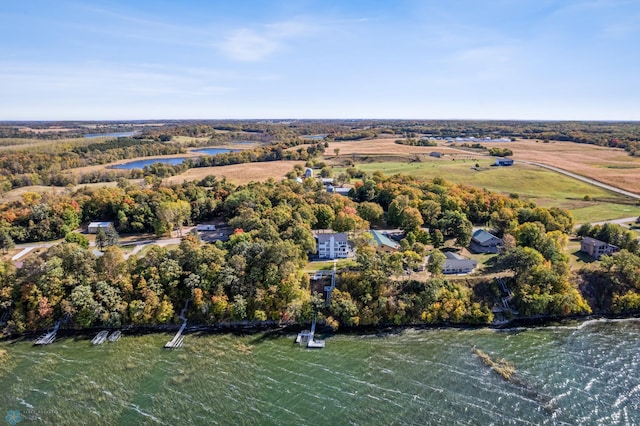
(587, 374)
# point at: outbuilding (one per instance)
(94, 227)
(504, 162)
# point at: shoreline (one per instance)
(273, 328)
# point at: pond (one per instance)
(140, 164)
(214, 151)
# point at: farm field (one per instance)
(613, 166)
(239, 173)
(384, 146)
(544, 187)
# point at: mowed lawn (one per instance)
(544, 187)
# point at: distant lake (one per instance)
(109, 135)
(140, 164)
(214, 151)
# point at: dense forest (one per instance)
(258, 273)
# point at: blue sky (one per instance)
(497, 59)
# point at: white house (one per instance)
(332, 246)
(94, 227)
(456, 264)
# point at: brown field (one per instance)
(613, 166)
(52, 129)
(16, 194)
(384, 146)
(239, 173)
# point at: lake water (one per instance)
(140, 164)
(214, 151)
(585, 374)
(110, 135)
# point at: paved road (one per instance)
(622, 221)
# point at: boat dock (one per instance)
(100, 337)
(48, 337)
(178, 339)
(307, 337)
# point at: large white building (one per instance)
(332, 246)
(456, 264)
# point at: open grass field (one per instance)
(613, 166)
(384, 146)
(542, 186)
(39, 145)
(239, 173)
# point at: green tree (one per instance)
(101, 239)
(436, 262)
(324, 216)
(410, 219)
(75, 237)
(371, 212)
(6, 242)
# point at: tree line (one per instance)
(258, 274)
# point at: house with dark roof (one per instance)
(485, 242)
(596, 248)
(382, 242)
(332, 246)
(456, 264)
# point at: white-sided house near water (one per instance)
(94, 227)
(596, 248)
(332, 246)
(485, 242)
(456, 264)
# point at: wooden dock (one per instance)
(48, 337)
(307, 337)
(100, 337)
(178, 339)
(115, 336)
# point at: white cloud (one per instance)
(250, 45)
(247, 45)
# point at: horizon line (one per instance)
(110, 120)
